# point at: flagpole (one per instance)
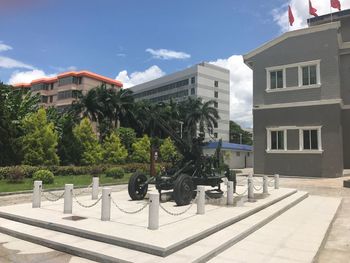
(330, 8)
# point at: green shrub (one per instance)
(30, 170)
(115, 172)
(15, 175)
(45, 176)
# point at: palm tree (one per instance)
(123, 103)
(106, 106)
(199, 116)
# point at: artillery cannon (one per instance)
(183, 177)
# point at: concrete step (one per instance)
(131, 231)
(295, 236)
(199, 251)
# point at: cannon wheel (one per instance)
(137, 188)
(183, 190)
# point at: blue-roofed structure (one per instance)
(228, 145)
(236, 156)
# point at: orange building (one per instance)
(62, 90)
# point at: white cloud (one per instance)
(137, 77)
(6, 62)
(167, 54)
(4, 47)
(241, 89)
(300, 10)
(27, 76)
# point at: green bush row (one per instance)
(11, 173)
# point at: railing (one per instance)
(153, 203)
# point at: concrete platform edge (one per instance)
(134, 245)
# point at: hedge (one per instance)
(28, 171)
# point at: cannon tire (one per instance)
(136, 188)
(183, 190)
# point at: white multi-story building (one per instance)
(203, 80)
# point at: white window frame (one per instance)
(300, 85)
(268, 77)
(318, 73)
(301, 139)
(319, 138)
(269, 130)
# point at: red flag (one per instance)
(312, 10)
(290, 16)
(336, 4)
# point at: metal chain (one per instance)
(84, 190)
(241, 181)
(129, 212)
(55, 199)
(240, 194)
(212, 198)
(179, 213)
(83, 205)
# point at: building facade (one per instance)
(204, 80)
(236, 156)
(62, 90)
(301, 100)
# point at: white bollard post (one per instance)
(153, 211)
(37, 194)
(250, 175)
(277, 181)
(106, 204)
(265, 184)
(250, 188)
(68, 199)
(201, 200)
(230, 193)
(95, 185)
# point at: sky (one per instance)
(137, 41)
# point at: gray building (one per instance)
(301, 100)
(203, 80)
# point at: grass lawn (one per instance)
(60, 181)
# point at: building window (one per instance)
(193, 80)
(276, 139)
(309, 75)
(44, 99)
(215, 125)
(193, 91)
(171, 86)
(51, 86)
(51, 99)
(276, 79)
(248, 154)
(310, 138)
(216, 83)
(215, 135)
(238, 154)
(216, 104)
(68, 94)
(216, 94)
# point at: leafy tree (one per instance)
(113, 150)
(68, 147)
(127, 137)
(237, 134)
(15, 105)
(40, 140)
(168, 151)
(141, 150)
(91, 152)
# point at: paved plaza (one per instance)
(335, 247)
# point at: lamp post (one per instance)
(181, 123)
(240, 138)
